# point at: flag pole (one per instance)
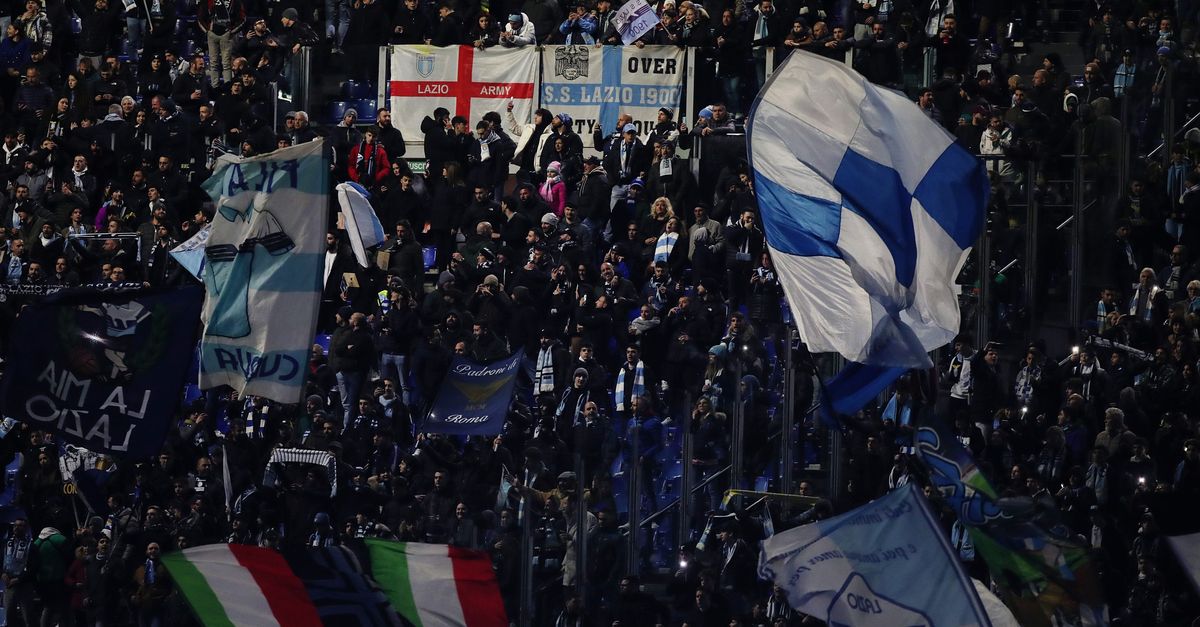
(581, 513)
(787, 439)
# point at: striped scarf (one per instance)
(1148, 310)
(580, 400)
(639, 384)
(664, 246)
(366, 161)
(545, 370)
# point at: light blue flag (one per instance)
(869, 208)
(363, 228)
(263, 270)
(885, 564)
(190, 254)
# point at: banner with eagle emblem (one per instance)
(595, 85)
(474, 398)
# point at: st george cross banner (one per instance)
(102, 370)
(595, 85)
(884, 564)
(263, 270)
(869, 208)
(464, 80)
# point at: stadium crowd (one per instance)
(635, 291)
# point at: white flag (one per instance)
(634, 19)
(190, 254)
(362, 225)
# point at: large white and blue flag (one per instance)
(870, 210)
(363, 228)
(886, 563)
(263, 270)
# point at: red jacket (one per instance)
(374, 167)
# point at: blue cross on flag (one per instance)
(869, 208)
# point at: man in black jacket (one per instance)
(406, 261)
(439, 146)
(389, 136)
(592, 195)
(351, 355)
(624, 161)
(397, 327)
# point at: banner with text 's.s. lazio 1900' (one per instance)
(466, 81)
(474, 398)
(598, 84)
(263, 272)
(103, 370)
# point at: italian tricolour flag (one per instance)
(429, 585)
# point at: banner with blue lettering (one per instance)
(263, 271)
(102, 370)
(474, 398)
(595, 85)
(885, 563)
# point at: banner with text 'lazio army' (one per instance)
(597, 84)
(263, 272)
(466, 81)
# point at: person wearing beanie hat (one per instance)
(625, 159)
(550, 219)
(518, 32)
(554, 190)
(570, 406)
(564, 127)
(295, 33)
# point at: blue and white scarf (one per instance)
(664, 246)
(639, 384)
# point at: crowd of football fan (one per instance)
(635, 290)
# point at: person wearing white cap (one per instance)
(518, 32)
(624, 161)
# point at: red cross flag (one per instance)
(464, 80)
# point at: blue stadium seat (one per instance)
(429, 256)
(337, 109)
(620, 493)
(672, 471)
(323, 341)
(366, 109)
(188, 48)
(358, 90)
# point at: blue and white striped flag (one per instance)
(870, 210)
(363, 228)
